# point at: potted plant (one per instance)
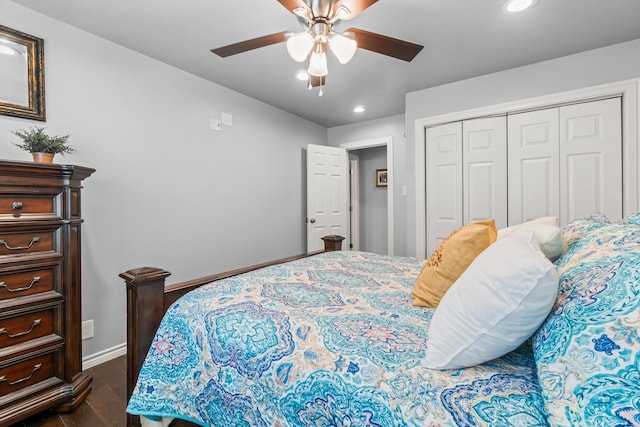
(42, 146)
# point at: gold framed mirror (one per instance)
(22, 77)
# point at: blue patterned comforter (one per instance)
(331, 340)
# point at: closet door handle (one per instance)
(18, 248)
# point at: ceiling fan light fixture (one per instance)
(299, 45)
(342, 13)
(318, 62)
(301, 12)
(343, 47)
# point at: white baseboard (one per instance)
(104, 356)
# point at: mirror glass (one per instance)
(14, 81)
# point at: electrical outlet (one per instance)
(87, 329)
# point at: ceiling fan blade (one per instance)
(354, 6)
(315, 81)
(384, 45)
(247, 45)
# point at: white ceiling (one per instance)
(461, 39)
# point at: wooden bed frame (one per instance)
(148, 298)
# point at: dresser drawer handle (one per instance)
(27, 378)
(16, 206)
(19, 334)
(18, 248)
(35, 280)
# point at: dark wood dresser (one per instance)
(40, 289)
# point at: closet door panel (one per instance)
(479, 191)
(533, 157)
(591, 159)
(484, 172)
(444, 182)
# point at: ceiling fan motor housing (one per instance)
(320, 30)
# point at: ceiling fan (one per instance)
(319, 17)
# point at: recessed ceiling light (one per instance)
(359, 109)
(518, 5)
(302, 75)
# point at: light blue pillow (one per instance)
(587, 352)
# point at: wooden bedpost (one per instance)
(145, 308)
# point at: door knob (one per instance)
(312, 220)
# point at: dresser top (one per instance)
(53, 170)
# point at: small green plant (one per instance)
(35, 140)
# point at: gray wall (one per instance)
(373, 201)
(168, 191)
(393, 127)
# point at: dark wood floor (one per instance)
(104, 407)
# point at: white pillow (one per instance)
(543, 220)
(547, 233)
(495, 305)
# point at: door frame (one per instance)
(379, 142)
(627, 89)
(354, 202)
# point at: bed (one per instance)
(333, 340)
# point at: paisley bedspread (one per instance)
(330, 340)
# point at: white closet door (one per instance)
(591, 159)
(444, 182)
(533, 165)
(484, 173)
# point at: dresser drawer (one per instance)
(26, 373)
(26, 326)
(23, 283)
(30, 205)
(29, 242)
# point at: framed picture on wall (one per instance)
(381, 177)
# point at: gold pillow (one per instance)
(450, 259)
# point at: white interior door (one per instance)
(591, 159)
(484, 170)
(327, 194)
(533, 165)
(444, 182)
